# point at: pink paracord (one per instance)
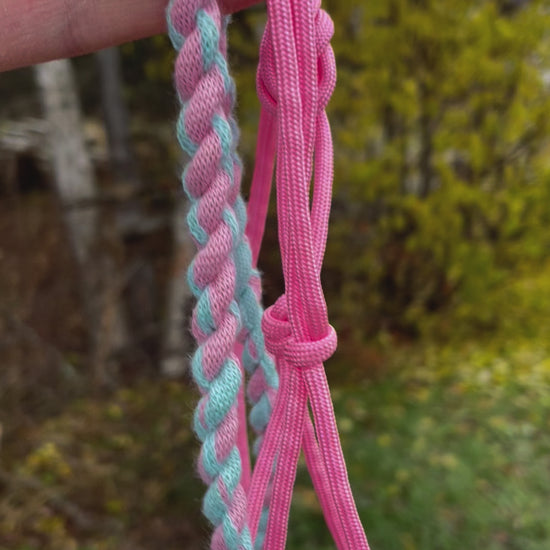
(295, 80)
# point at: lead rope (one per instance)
(295, 80)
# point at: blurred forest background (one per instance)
(437, 278)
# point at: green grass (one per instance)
(450, 450)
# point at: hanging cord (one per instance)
(264, 380)
(296, 79)
(221, 275)
(256, 361)
(257, 213)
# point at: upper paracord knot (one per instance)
(266, 78)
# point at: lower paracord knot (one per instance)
(280, 342)
(310, 354)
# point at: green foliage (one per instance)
(245, 32)
(451, 450)
(441, 124)
(106, 474)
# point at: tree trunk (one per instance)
(115, 115)
(177, 341)
(426, 145)
(75, 185)
(134, 223)
(130, 218)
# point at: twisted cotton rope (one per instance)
(221, 275)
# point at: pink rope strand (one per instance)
(296, 78)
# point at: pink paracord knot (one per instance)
(280, 342)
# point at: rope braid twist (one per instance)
(208, 133)
(299, 76)
(204, 132)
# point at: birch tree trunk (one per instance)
(77, 191)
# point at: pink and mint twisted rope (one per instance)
(221, 276)
(205, 135)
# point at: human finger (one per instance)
(41, 30)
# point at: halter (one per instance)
(296, 77)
